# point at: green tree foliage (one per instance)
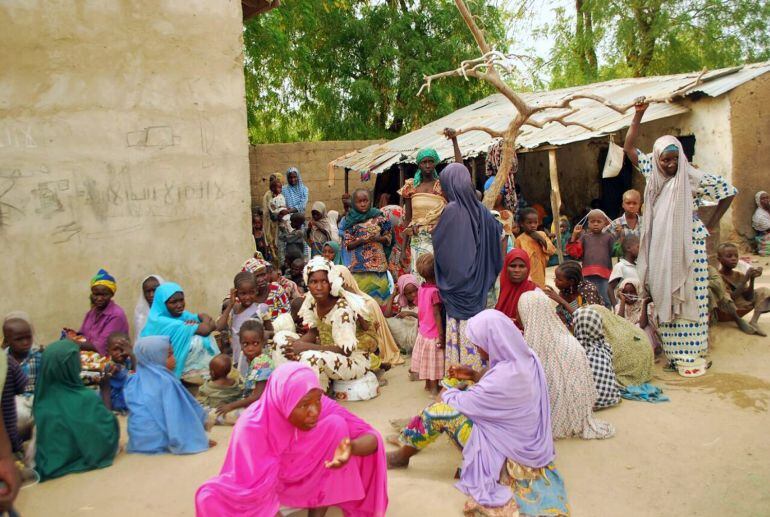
(351, 69)
(635, 38)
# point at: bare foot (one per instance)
(399, 423)
(393, 440)
(395, 461)
(760, 332)
(212, 443)
(745, 327)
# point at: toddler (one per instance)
(638, 310)
(19, 341)
(224, 386)
(295, 245)
(630, 223)
(428, 352)
(252, 338)
(537, 245)
(117, 370)
(595, 247)
(741, 285)
(625, 268)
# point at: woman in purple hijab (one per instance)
(469, 256)
(502, 424)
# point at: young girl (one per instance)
(596, 249)
(638, 310)
(537, 245)
(331, 252)
(252, 338)
(401, 312)
(428, 353)
(574, 291)
(241, 306)
(163, 416)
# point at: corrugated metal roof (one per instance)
(496, 112)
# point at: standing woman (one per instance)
(672, 261)
(295, 192)
(423, 201)
(466, 243)
(270, 221)
(367, 233)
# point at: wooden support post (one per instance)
(473, 172)
(555, 200)
(347, 181)
(401, 180)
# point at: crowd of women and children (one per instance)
(330, 302)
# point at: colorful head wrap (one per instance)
(428, 152)
(254, 266)
(105, 279)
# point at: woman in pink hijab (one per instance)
(297, 448)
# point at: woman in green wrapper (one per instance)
(75, 431)
(424, 201)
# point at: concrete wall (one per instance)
(312, 160)
(123, 145)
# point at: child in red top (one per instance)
(596, 249)
(428, 352)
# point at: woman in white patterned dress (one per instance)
(672, 263)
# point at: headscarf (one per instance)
(389, 352)
(296, 195)
(163, 416)
(355, 300)
(760, 221)
(508, 301)
(323, 230)
(105, 279)
(270, 463)
(75, 431)
(509, 409)
(632, 354)
(633, 310)
(666, 254)
(466, 246)
(355, 217)
(337, 255)
(142, 308)
(421, 155)
(403, 282)
(255, 266)
(160, 322)
(334, 217)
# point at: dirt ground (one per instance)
(703, 453)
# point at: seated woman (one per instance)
(632, 353)
(190, 334)
(312, 453)
(385, 344)
(502, 424)
(571, 388)
(319, 229)
(574, 291)
(104, 317)
(514, 281)
(401, 312)
(367, 233)
(330, 346)
(590, 332)
(162, 415)
(75, 431)
(760, 221)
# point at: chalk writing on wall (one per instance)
(17, 136)
(153, 136)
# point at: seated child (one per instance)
(252, 336)
(296, 274)
(741, 285)
(117, 370)
(625, 267)
(537, 245)
(18, 340)
(595, 247)
(223, 387)
(428, 352)
(15, 383)
(637, 310)
(400, 312)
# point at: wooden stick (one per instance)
(555, 200)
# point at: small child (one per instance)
(537, 245)
(596, 249)
(18, 340)
(117, 370)
(741, 285)
(296, 247)
(637, 310)
(625, 268)
(224, 386)
(274, 276)
(252, 338)
(278, 207)
(428, 352)
(630, 223)
(296, 275)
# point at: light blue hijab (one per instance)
(163, 416)
(160, 322)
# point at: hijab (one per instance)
(337, 254)
(323, 230)
(428, 152)
(296, 195)
(75, 431)
(142, 308)
(403, 282)
(355, 217)
(270, 463)
(466, 246)
(666, 254)
(163, 416)
(334, 217)
(509, 408)
(160, 322)
(508, 302)
(633, 310)
(761, 218)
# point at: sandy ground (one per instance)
(704, 453)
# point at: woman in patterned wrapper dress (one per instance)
(672, 263)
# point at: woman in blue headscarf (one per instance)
(190, 334)
(423, 201)
(295, 192)
(163, 416)
(468, 257)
